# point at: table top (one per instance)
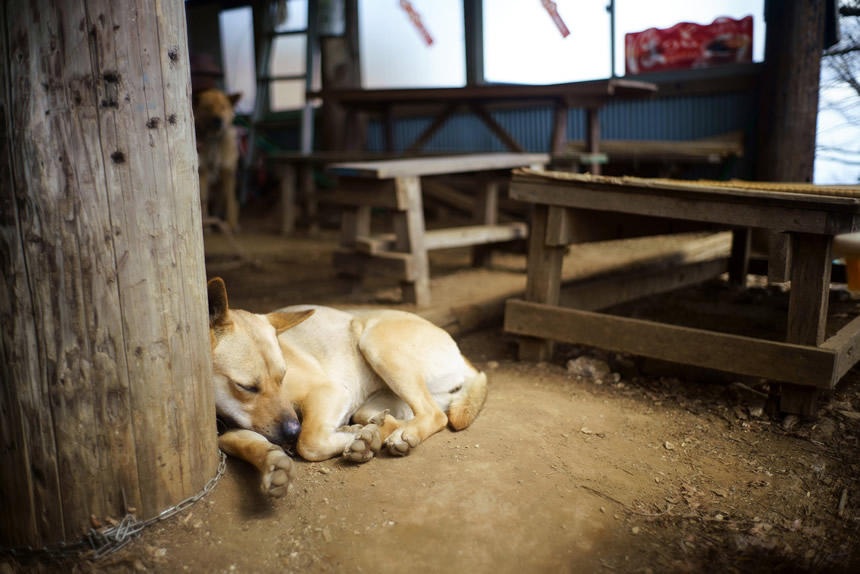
(771, 205)
(387, 169)
(573, 93)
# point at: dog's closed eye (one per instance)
(248, 388)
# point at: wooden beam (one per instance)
(497, 129)
(693, 206)
(592, 135)
(799, 364)
(474, 235)
(434, 127)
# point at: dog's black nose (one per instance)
(290, 430)
(217, 123)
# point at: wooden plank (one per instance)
(474, 235)
(799, 364)
(847, 202)
(694, 206)
(613, 288)
(393, 265)
(846, 345)
(710, 150)
(438, 165)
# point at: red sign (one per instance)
(687, 45)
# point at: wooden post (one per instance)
(543, 284)
(106, 404)
(807, 310)
(788, 104)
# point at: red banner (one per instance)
(687, 45)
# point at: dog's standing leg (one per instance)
(273, 463)
(227, 187)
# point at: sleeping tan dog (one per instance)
(397, 377)
(217, 152)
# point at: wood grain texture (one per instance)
(799, 364)
(106, 342)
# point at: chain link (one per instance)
(99, 543)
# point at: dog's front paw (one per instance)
(279, 474)
(400, 443)
(366, 444)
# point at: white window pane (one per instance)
(637, 16)
(288, 55)
(237, 55)
(297, 16)
(394, 53)
(523, 45)
(287, 95)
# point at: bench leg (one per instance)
(309, 198)
(288, 198)
(544, 280)
(807, 310)
(485, 213)
(409, 232)
(739, 260)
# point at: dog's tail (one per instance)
(469, 399)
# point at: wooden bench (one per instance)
(566, 205)
(396, 186)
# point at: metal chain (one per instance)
(104, 541)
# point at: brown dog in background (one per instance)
(218, 153)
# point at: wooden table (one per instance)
(590, 95)
(396, 186)
(565, 204)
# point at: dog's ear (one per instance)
(283, 321)
(217, 301)
(234, 98)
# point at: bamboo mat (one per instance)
(848, 191)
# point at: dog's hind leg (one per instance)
(276, 468)
(387, 351)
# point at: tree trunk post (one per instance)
(106, 404)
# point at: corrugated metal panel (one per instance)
(679, 118)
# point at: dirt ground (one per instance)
(656, 469)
